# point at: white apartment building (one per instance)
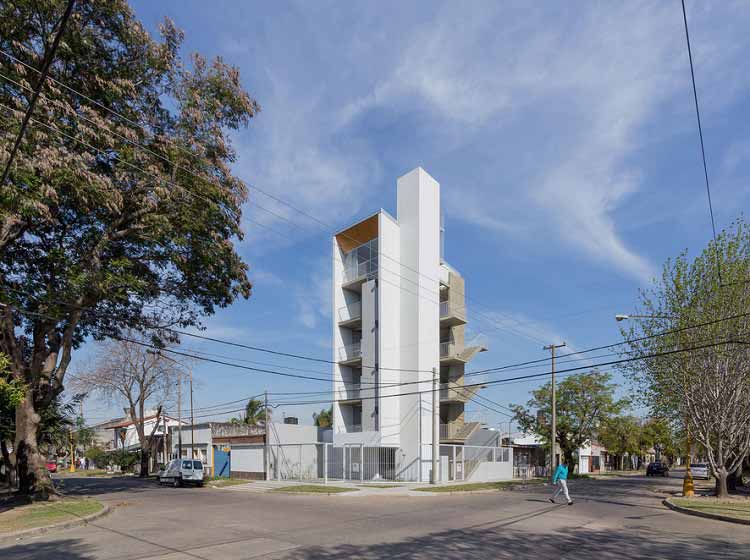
(398, 315)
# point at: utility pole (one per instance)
(179, 415)
(435, 420)
(553, 462)
(192, 422)
(265, 435)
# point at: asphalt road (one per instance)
(612, 518)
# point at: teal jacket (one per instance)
(560, 474)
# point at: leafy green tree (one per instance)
(255, 413)
(621, 436)
(124, 459)
(98, 233)
(12, 392)
(97, 456)
(660, 432)
(584, 401)
(699, 377)
(324, 418)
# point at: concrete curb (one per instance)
(62, 525)
(513, 488)
(715, 516)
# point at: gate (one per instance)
(222, 462)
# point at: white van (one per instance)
(182, 471)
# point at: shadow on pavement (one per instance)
(489, 543)
(68, 549)
(94, 486)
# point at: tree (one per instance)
(98, 456)
(584, 401)
(700, 376)
(127, 372)
(324, 418)
(110, 223)
(12, 393)
(255, 413)
(620, 435)
(660, 432)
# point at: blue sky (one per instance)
(563, 137)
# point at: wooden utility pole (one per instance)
(553, 453)
(179, 415)
(192, 421)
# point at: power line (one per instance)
(703, 150)
(49, 56)
(326, 227)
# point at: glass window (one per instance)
(197, 465)
(187, 465)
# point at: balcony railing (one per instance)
(350, 352)
(452, 311)
(453, 392)
(445, 349)
(450, 431)
(348, 392)
(354, 427)
(350, 312)
(363, 270)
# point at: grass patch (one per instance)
(477, 486)
(50, 513)
(221, 482)
(379, 485)
(314, 489)
(737, 509)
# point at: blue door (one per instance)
(222, 460)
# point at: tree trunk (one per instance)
(721, 483)
(144, 462)
(33, 479)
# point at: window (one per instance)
(197, 465)
(187, 465)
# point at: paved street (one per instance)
(612, 518)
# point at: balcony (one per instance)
(356, 274)
(451, 392)
(452, 352)
(348, 392)
(457, 431)
(350, 354)
(350, 315)
(452, 314)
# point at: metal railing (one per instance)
(454, 392)
(350, 312)
(445, 349)
(361, 270)
(350, 351)
(448, 310)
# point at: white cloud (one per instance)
(313, 294)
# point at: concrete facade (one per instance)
(399, 315)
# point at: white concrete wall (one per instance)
(338, 300)
(292, 433)
(247, 458)
(419, 221)
(489, 472)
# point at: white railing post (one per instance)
(300, 462)
(361, 462)
(494, 454)
(278, 462)
(454, 463)
(325, 463)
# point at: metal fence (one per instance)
(370, 463)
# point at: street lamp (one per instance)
(688, 487)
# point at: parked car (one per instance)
(700, 470)
(51, 466)
(182, 471)
(657, 468)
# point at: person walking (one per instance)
(561, 479)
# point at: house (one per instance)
(121, 433)
(239, 450)
(593, 458)
(399, 316)
(530, 458)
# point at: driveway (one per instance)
(612, 518)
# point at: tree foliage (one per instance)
(324, 418)
(584, 402)
(255, 413)
(110, 222)
(704, 383)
